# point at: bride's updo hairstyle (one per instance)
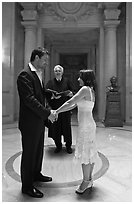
(88, 77)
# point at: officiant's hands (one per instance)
(54, 96)
(65, 93)
(70, 94)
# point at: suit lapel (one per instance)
(34, 76)
(37, 79)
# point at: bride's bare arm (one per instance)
(71, 103)
(67, 108)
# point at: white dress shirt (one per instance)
(38, 72)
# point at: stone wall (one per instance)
(12, 59)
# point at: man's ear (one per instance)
(36, 57)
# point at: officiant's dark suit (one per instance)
(32, 117)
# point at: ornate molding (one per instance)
(111, 24)
(111, 18)
(112, 14)
(111, 5)
(29, 5)
(29, 15)
(29, 25)
(68, 11)
(68, 8)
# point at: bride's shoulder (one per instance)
(85, 88)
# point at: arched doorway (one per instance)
(72, 63)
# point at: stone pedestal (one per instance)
(113, 110)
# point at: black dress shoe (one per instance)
(42, 178)
(57, 150)
(33, 192)
(69, 150)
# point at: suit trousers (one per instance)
(32, 156)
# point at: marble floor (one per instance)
(112, 172)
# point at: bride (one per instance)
(85, 150)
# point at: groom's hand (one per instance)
(53, 116)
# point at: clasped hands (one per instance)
(53, 116)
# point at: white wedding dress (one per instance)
(85, 149)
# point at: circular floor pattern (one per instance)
(15, 175)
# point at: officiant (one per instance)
(61, 127)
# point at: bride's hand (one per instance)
(56, 111)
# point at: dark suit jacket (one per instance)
(32, 114)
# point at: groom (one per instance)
(32, 118)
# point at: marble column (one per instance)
(30, 41)
(110, 60)
(40, 37)
(128, 63)
(111, 22)
(30, 25)
(101, 87)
